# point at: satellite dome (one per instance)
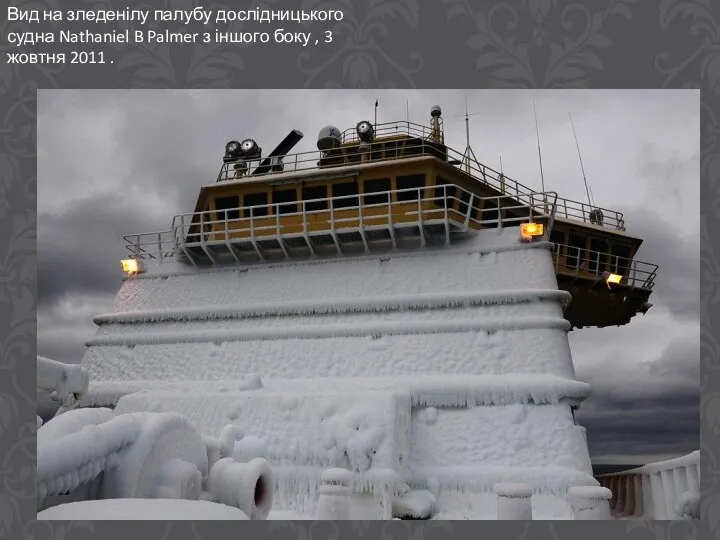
(328, 138)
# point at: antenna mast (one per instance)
(537, 134)
(587, 189)
(468, 149)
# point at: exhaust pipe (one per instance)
(247, 486)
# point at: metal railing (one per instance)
(389, 129)
(449, 206)
(157, 245)
(656, 490)
(580, 262)
(380, 151)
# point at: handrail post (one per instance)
(420, 225)
(469, 211)
(252, 223)
(447, 219)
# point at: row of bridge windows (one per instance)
(375, 192)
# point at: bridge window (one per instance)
(315, 192)
(375, 186)
(576, 252)
(598, 256)
(411, 182)
(490, 214)
(440, 191)
(476, 207)
(345, 190)
(259, 200)
(227, 203)
(286, 199)
(620, 259)
(557, 238)
(464, 201)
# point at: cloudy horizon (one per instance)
(116, 162)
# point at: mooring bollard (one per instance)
(335, 491)
(590, 502)
(514, 501)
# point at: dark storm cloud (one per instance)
(80, 251)
(646, 408)
(676, 253)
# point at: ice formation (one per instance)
(142, 509)
(88, 455)
(430, 376)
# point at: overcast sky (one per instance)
(116, 162)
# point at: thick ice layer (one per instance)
(446, 270)
(107, 393)
(424, 390)
(142, 509)
(472, 353)
(71, 422)
(374, 305)
(457, 505)
(417, 504)
(351, 430)
(510, 435)
(480, 478)
(61, 378)
(66, 462)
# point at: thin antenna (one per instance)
(537, 134)
(587, 189)
(501, 169)
(468, 149)
(375, 124)
(592, 196)
(407, 110)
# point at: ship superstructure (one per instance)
(384, 305)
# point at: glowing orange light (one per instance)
(130, 266)
(528, 230)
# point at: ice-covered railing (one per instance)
(61, 382)
(448, 205)
(580, 261)
(661, 490)
(380, 151)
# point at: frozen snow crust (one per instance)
(444, 370)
